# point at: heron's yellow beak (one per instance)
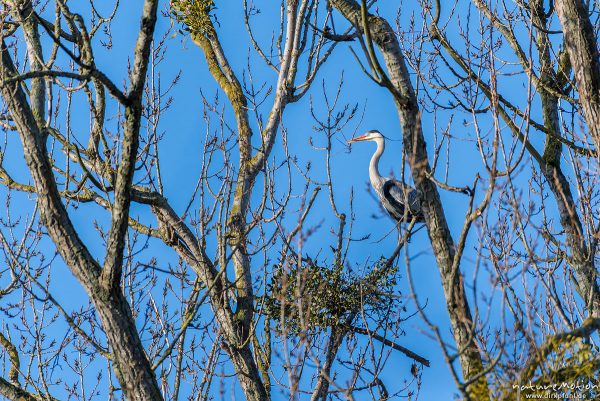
(357, 139)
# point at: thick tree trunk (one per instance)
(130, 364)
(248, 374)
(582, 46)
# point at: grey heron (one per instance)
(394, 195)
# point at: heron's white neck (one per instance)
(374, 176)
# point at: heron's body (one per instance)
(399, 199)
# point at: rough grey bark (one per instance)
(437, 227)
(111, 271)
(582, 45)
(15, 393)
(23, 12)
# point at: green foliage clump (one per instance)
(195, 15)
(309, 297)
(574, 362)
(565, 367)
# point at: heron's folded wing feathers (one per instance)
(401, 194)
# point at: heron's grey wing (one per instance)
(392, 200)
(413, 201)
(400, 194)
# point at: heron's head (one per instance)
(372, 135)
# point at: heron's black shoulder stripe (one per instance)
(387, 186)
